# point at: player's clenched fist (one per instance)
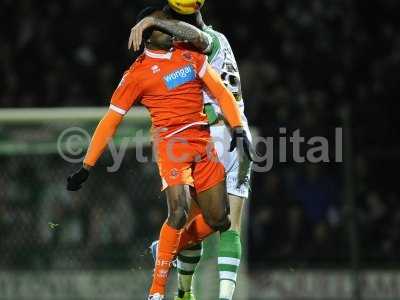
(74, 181)
(241, 142)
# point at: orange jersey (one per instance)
(168, 84)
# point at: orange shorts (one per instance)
(189, 157)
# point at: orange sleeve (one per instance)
(103, 133)
(224, 97)
(127, 92)
(201, 63)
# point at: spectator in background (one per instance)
(317, 196)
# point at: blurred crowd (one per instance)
(303, 63)
(302, 219)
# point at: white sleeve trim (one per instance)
(203, 69)
(117, 109)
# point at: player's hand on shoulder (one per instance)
(136, 36)
(75, 180)
(241, 142)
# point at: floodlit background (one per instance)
(313, 231)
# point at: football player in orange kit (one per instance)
(169, 82)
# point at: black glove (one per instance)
(74, 181)
(242, 143)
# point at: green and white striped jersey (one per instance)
(222, 59)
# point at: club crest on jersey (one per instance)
(180, 77)
(186, 55)
(155, 69)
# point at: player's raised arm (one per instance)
(180, 30)
(229, 108)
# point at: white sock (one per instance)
(226, 289)
(185, 282)
(187, 263)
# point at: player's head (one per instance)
(195, 19)
(154, 39)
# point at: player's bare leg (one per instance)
(214, 205)
(228, 257)
(174, 237)
(214, 216)
(178, 208)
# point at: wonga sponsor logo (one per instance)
(180, 77)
